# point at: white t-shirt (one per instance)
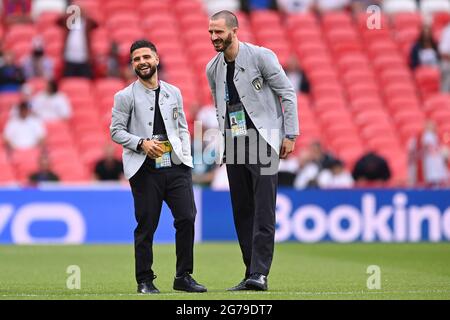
(328, 180)
(76, 45)
(331, 5)
(51, 107)
(306, 175)
(444, 45)
(435, 169)
(24, 133)
(428, 57)
(295, 6)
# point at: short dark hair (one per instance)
(231, 20)
(142, 43)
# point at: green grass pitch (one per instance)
(299, 271)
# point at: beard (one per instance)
(225, 43)
(145, 76)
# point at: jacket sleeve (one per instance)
(211, 82)
(183, 127)
(276, 78)
(121, 114)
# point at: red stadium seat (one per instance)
(120, 20)
(112, 7)
(8, 100)
(187, 6)
(365, 22)
(153, 6)
(338, 18)
(19, 33)
(303, 21)
(46, 20)
(428, 80)
(74, 86)
(7, 174)
(264, 19)
(437, 101)
(410, 130)
(405, 20)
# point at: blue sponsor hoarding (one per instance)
(73, 216)
(96, 215)
(343, 215)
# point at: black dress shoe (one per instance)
(257, 281)
(241, 286)
(188, 284)
(147, 287)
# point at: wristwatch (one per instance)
(139, 145)
(291, 137)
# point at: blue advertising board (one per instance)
(343, 215)
(73, 216)
(105, 215)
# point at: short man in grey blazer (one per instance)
(149, 122)
(250, 88)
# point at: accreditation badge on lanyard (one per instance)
(236, 116)
(237, 120)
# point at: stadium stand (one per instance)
(363, 94)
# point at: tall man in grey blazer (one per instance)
(250, 88)
(149, 122)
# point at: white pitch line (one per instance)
(299, 293)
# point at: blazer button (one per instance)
(223, 117)
(150, 124)
(151, 108)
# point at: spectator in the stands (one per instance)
(295, 6)
(335, 177)
(360, 6)
(287, 171)
(2, 59)
(11, 75)
(371, 169)
(37, 64)
(16, 11)
(444, 51)
(308, 171)
(424, 51)
(319, 155)
(428, 159)
(296, 75)
(324, 6)
(51, 105)
(77, 51)
(109, 168)
(213, 6)
(44, 173)
(24, 130)
(250, 5)
(113, 62)
(203, 150)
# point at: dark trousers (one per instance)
(253, 197)
(150, 187)
(77, 70)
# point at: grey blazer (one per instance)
(261, 83)
(132, 119)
